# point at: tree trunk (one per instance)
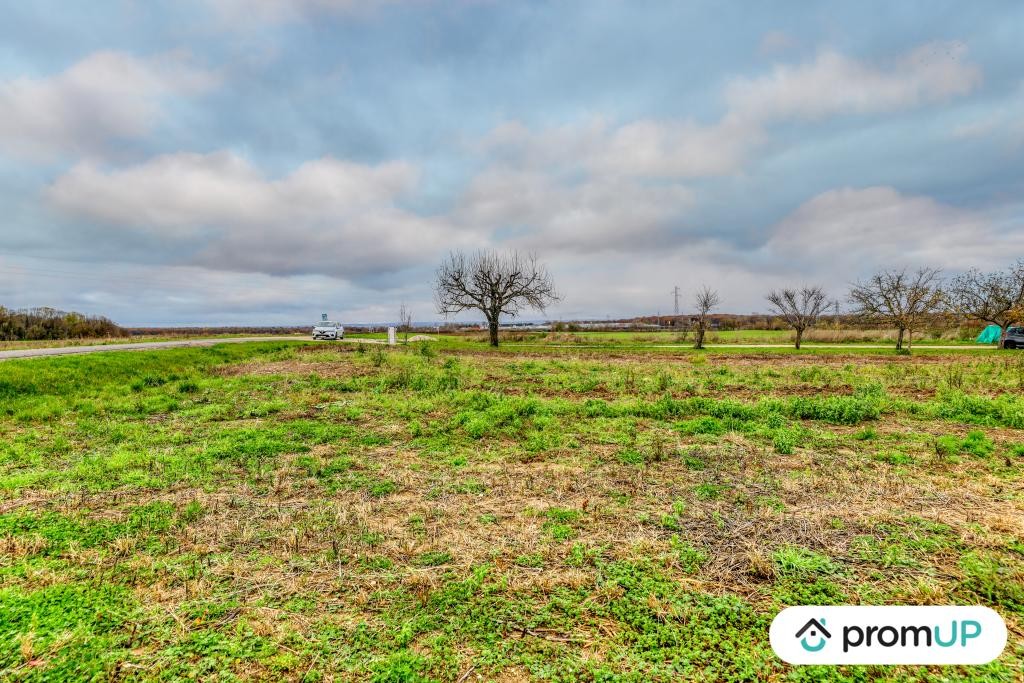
(699, 344)
(492, 328)
(799, 336)
(1002, 335)
(899, 340)
(910, 339)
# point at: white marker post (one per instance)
(392, 336)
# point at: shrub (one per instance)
(785, 441)
(978, 444)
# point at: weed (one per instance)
(793, 560)
(533, 561)
(894, 457)
(709, 491)
(690, 559)
(630, 456)
(785, 440)
(975, 443)
(866, 434)
(997, 581)
(434, 558)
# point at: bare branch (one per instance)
(493, 283)
(900, 299)
(800, 309)
(706, 300)
(405, 320)
(996, 298)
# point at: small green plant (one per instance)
(188, 387)
(947, 446)
(559, 524)
(976, 443)
(702, 425)
(192, 512)
(531, 561)
(709, 491)
(690, 558)
(785, 441)
(954, 377)
(563, 515)
(866, 434)
(663, 381)
(381, 487)
(630, 456)
(894, 457)
(433, 558)
(994, 580)
(796, 560)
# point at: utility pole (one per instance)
(675, 292)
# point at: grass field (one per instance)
(55, 343)
(300, 512)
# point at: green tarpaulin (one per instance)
(990, 335)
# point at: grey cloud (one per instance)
(327, 216)
(850, 230)
(105, 97)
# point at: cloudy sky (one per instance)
(261, 161)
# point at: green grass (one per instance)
(288, 511)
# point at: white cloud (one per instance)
(676, 148)
(242, 12)
(592, 215)
(851, 230)
(219, 211)
(830, 85)
(645, 147)
(105, 97)
(834, 84)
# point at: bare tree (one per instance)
(493, 283)
(405, 320)
(996, 298)
(900, 299)
(706, 301)
(800, 309)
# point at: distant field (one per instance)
(744, 337)
(588, 337)
(300, 512)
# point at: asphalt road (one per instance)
(135, 346)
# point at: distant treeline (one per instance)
(49, 323)
(215, 331)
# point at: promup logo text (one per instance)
(888, 635)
